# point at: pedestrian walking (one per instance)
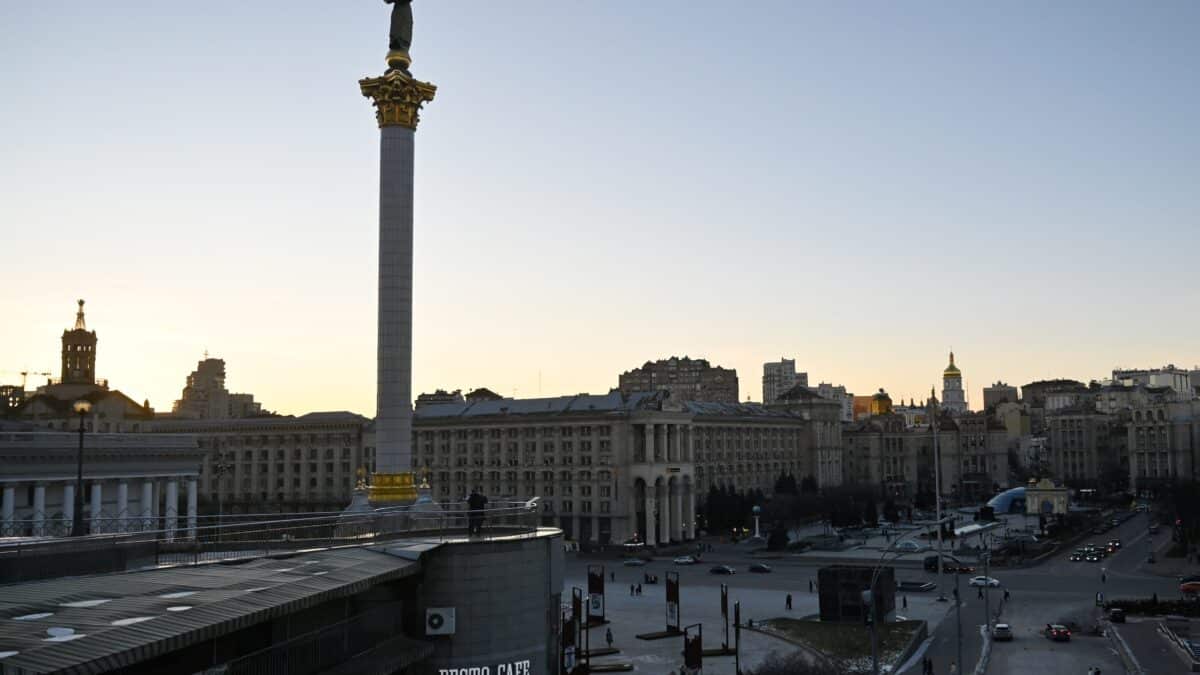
(810, 586)
(476, 504)
(789, 601)
(612, 576)
(1006, 595)
(639, 589)
(608, 637)
(981, 591)
(630, 589)
(904, 600)
(1103, 578)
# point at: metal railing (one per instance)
(259, 535)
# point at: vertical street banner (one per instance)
(570, 627)
(693, 649)
(673, 601)
(595, 589)
(725, 612)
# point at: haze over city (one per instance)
(605, 184)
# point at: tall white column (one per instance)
(191, 508)
(7, 504)
(689, 513)
(171, 509)
(147, 504)
(650, 506)
(123, 507)
(39, 510)
(96, 523)
(68, 506)
(676, 532)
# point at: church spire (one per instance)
(80, 324)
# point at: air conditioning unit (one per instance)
(439, 621)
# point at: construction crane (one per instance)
(25, 375)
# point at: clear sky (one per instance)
(860, 186)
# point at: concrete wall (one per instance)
(506, 597)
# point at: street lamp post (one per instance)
(82, 407)
(222, 467)
(937, 498)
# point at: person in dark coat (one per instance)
(475, 505)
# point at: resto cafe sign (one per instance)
(514, 668)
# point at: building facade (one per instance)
(999, 393)
(132, 483)
(780, 377)
(838, 393)
(616, 467)
(1164, 439)
(685, 378)
(1082, 445)
(278, 464)
(205, 396)
(1178, 380)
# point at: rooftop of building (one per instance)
(124, 618)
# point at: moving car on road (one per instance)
(685, 560)
(634, 562)
(1002, 631)
(985, 581)
(1116, 615)
(1114, 543)
(909, 546)
(759, 568)
(722, 569)
(1190, 587)
(1057, 632)
(1078, 555)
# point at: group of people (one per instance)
(635, 589)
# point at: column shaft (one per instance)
(96, 522)
(676, 513)
(69, 506)
(7, 504)
(122, 523)
(648, 437)
(39, 510)
(393, 423)
(147, 504)
(191, 508)
(689, 513)
(171, 508)
(650, 521)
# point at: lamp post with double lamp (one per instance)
(82, 408)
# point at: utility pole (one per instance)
(958, 620)
(937, 497)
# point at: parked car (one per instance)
(909, 546)
(1002, 631)
(759, 568)
(1116, 615)
(1190, 578)
(685, 560)
(722, 569)
(634, 562)
(1057, 632)
(985, 581)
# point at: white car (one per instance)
(685, 560)
(985, 581)
(909, 546)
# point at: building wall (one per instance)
(687, 380)
(1163, 441)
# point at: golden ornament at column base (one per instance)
(398, 97)
(398, 58)
(391, 489)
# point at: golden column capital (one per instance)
(398, 98)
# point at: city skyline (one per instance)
(782, 198)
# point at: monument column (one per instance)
(398, 98)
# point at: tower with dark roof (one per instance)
(79, 352)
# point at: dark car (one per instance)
(1077, 556)
(1189, 579)
(759, 568)
(1154, 529)
(1057, 632)
(721, 569)
(1114, 543)
(1117, 615)
(931, 563)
